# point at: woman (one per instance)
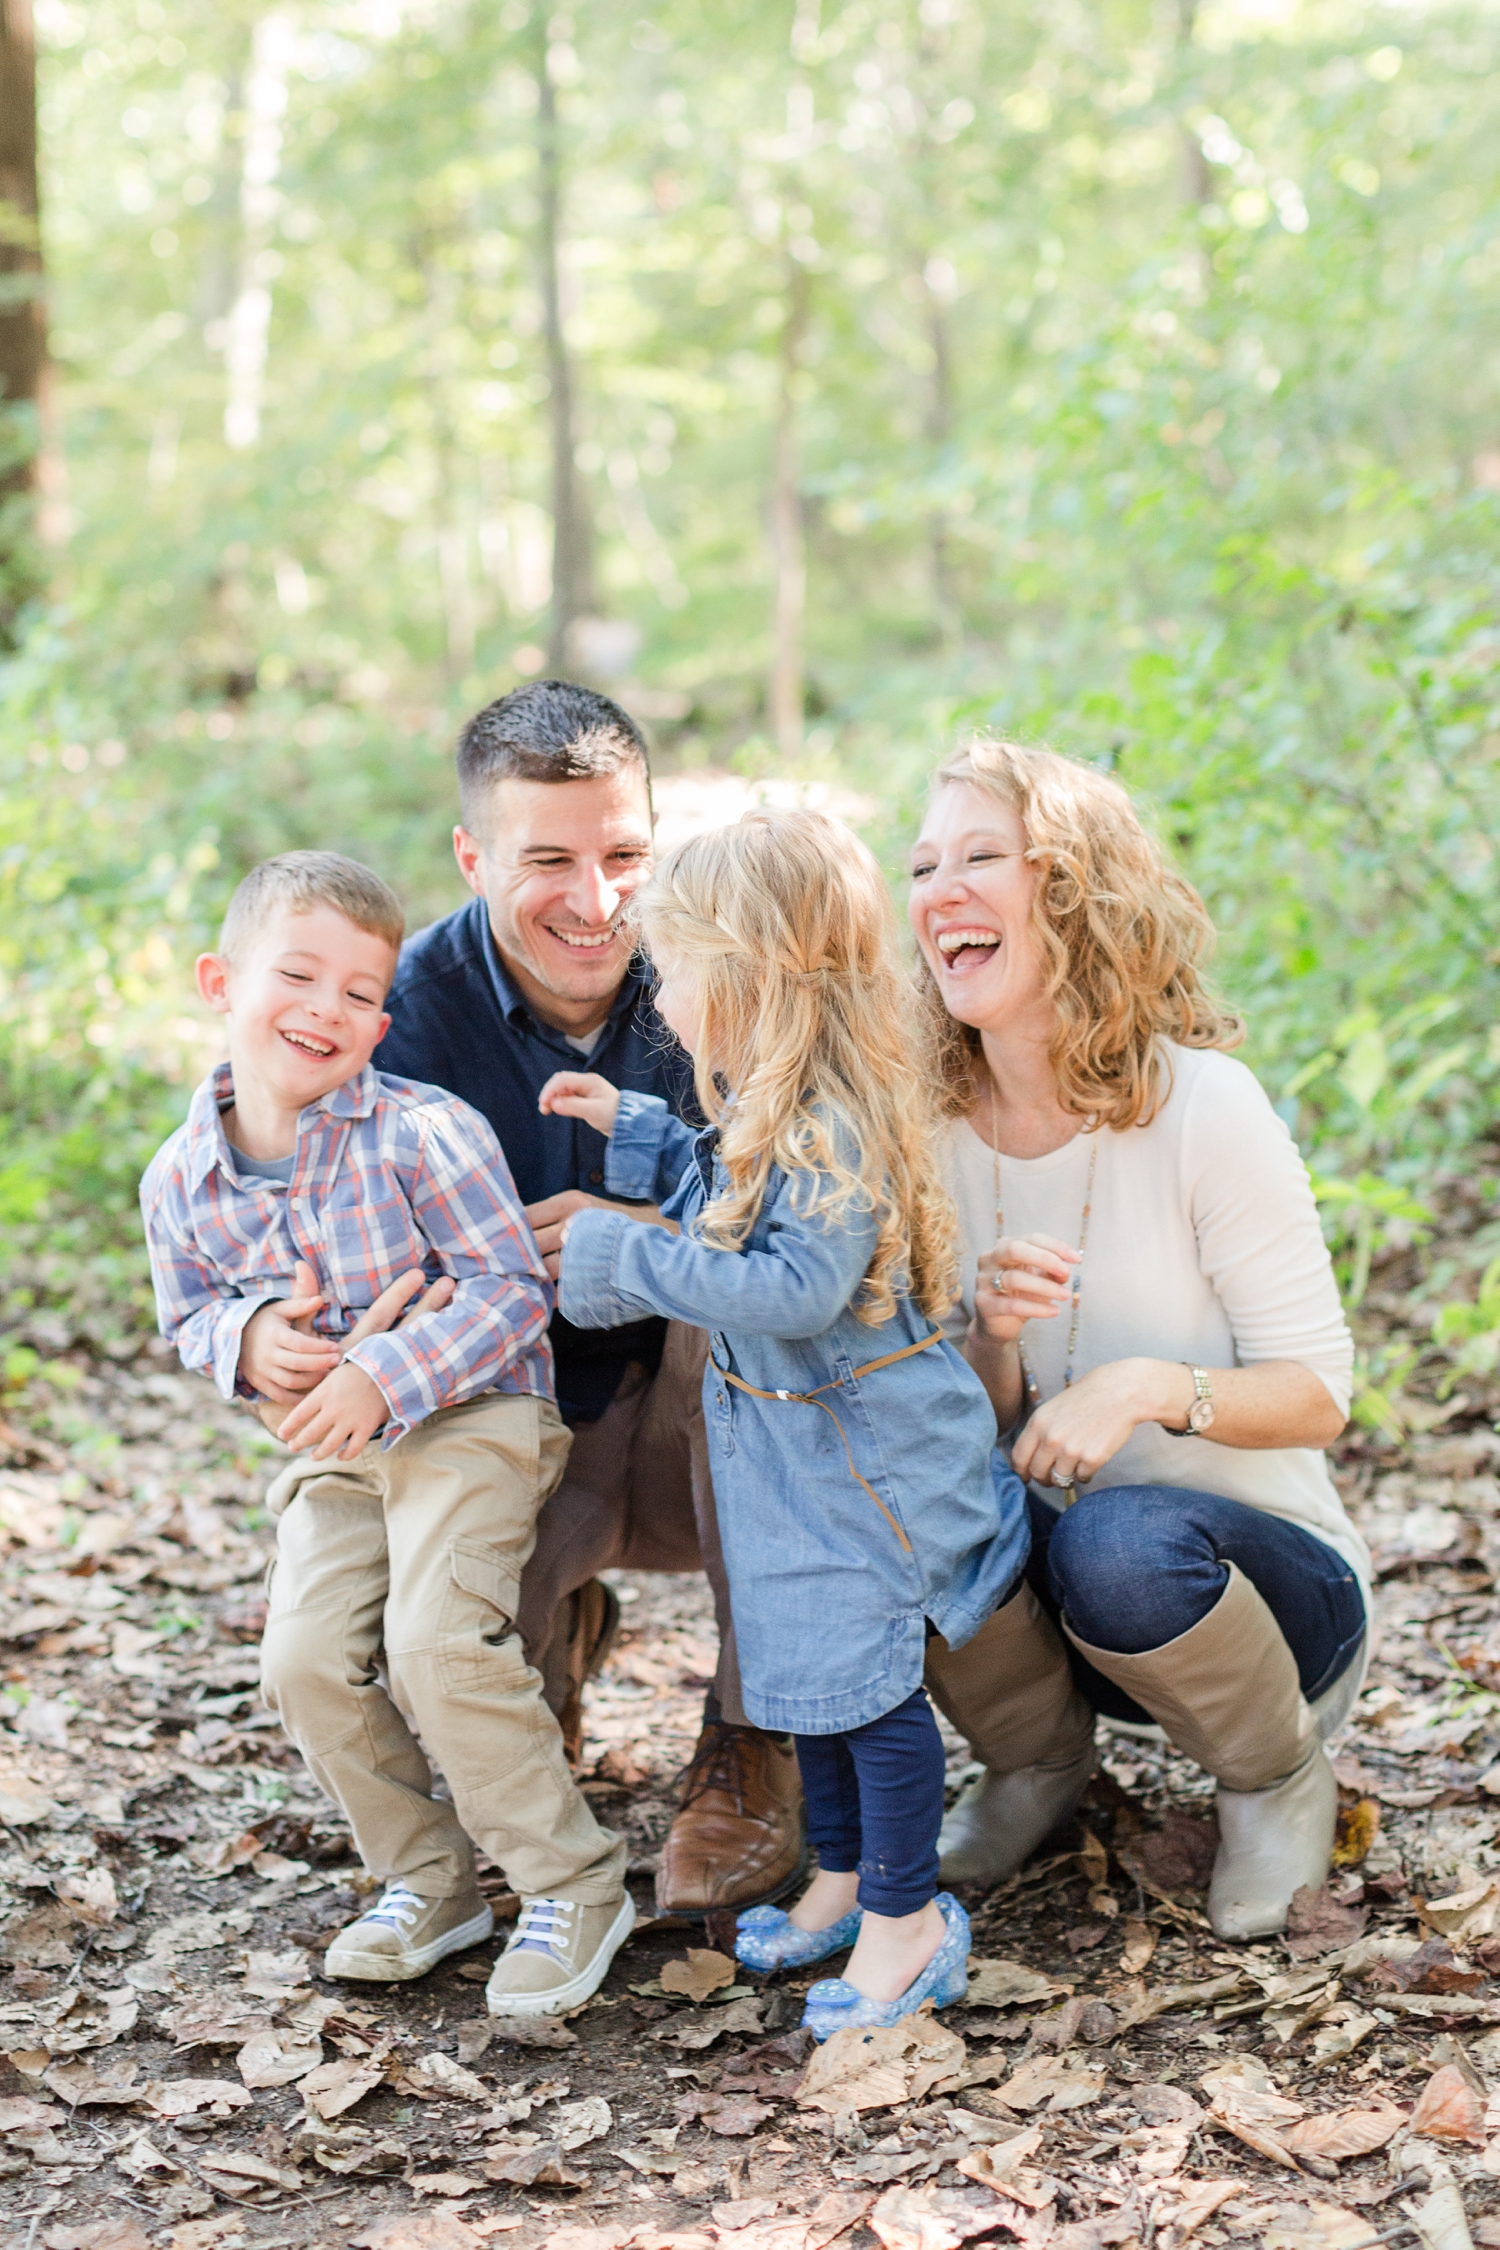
(1149, 1301)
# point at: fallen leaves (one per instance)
(1053, 2083)
(694, 2031)
(1316, 1923)
(1342, 2133)
(1009, 1984)
(858, 2070)
(1463, 1916)
(1449, 2109)
(933, 2218)
(190, 2097)
(334, 2087)
(700, 1974)
(279, 2057)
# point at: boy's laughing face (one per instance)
(305, 1005)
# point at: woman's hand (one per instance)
(581, 1093)
(1069, 1438)
(1027, 1278)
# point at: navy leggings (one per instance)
(875, 1802)
(1132, 1567)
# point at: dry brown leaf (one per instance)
(444, 2183)
(875, 2069)
(747, 2212)
(20, 2114)
(731, 2114)
(91, 1895)
(1095, 1862)
(121, 2231)
(1464, 1916)
(188, 2097)
(414, 2230)
(1342, 2133)
(215, 2020)
(279, 2057)
(933, 2218)
(1140, 1943)
(1316, 1923)
(81, 2083)
(1439, 2217)
(1009, 1984)
(1317, 2226)
(1256, 2118)
(1198, 2201)
(1449, 2109)
(532, 2031)
(700, 1974)
(693, 2031)
(1170, 1996)
(334, 2087)
(438, 2078)
(237, 2165)
(1053, 2082)
(543, 2166)
(347, 2149)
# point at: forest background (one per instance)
(820, 379)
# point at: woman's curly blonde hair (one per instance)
(1123, 937)
(786, 926)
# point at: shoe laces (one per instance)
(718, 1763)
(399, 1907)
(545, 1926)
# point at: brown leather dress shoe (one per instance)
(593, 1622)
(739, 1835)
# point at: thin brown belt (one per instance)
(815, 1398)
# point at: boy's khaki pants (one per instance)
(415, 1556)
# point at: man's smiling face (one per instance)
(556, 866)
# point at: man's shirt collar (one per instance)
(513, 1005)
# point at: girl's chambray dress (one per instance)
(830, 1610)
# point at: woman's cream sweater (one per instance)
(1204, 1245)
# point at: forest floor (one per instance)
(175, 2071)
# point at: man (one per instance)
(555, 835)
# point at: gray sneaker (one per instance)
(559, 1953)
(405, 1936)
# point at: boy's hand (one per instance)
(581, 1093)
(339, 1418)
(279, 1355)
(1020, 1280)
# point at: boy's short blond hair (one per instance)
(298, 881)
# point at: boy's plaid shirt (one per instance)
(389, 1175)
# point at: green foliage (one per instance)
(1146, 405)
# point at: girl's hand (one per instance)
(1022, 1279)
(581, 1093)
(1070, 1437)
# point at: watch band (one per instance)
(1201, 1413)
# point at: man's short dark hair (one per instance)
(548, 730)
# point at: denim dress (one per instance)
(833, 1582)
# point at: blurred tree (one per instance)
(23, 329)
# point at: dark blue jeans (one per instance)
(1131, 1568)
(875, 1802)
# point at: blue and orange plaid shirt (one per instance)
(389, 1175)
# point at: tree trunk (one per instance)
(249, 325)
(939, 434)
(784, 696)
(572, 530)
(23, 327)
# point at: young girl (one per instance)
(860, 1501)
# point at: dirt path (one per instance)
(177, 2073)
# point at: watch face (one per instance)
(1200, 1414)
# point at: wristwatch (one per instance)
(1201, 1412)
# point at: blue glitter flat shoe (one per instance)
(834, 2005)
(768, 1939)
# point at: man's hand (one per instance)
(549, 1219)
(581, 1093)
(279, 1355)
(339, 1418)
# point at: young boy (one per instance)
(424, 1451)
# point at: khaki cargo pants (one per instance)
(413, 1558)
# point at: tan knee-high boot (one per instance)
(1227, 1693)
(1010, 1692)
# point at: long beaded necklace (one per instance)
(1029, 1382)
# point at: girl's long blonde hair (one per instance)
(786, 927)
(1122, 935)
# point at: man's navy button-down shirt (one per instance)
(458, 1021)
